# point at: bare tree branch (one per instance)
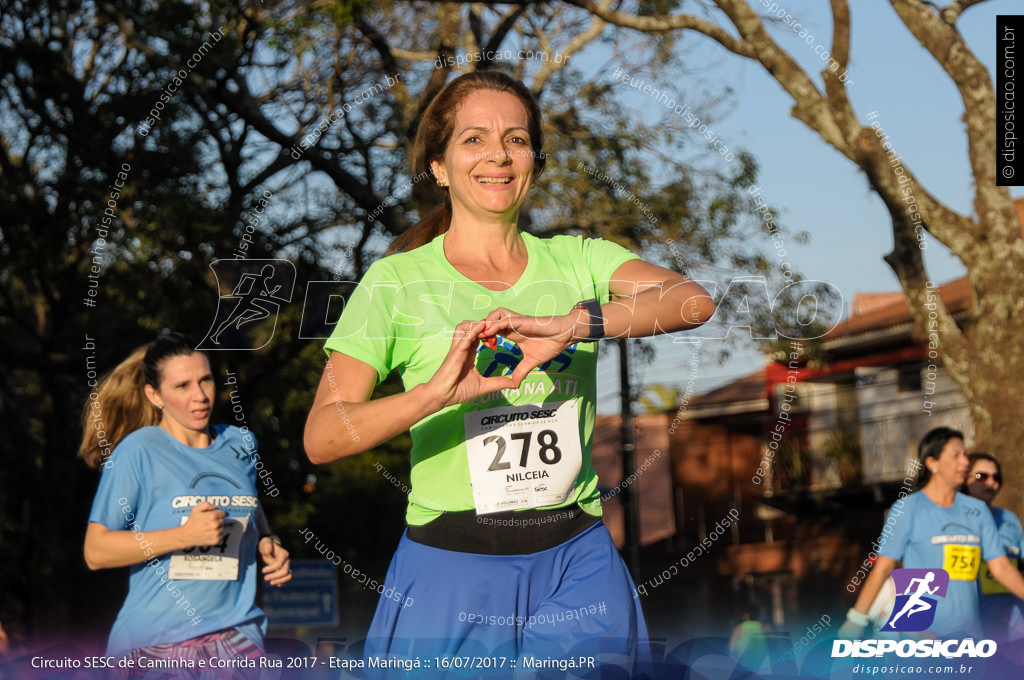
(973, 82)
(662, 24)
(835, 88)
(508, 21)
(551, 66)
(387, 55)
(380, 43)
(952, 13)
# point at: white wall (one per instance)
(892, 422)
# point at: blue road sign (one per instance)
(309, 599)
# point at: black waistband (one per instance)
(519, 532)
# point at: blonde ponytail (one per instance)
(116, 407)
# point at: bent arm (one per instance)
(344, 420)
(649, 300)
(1004, 572)
(874, 582)
(872, 585)
(106, 549)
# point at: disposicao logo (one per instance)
(914, 610)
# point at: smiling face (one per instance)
(489, 162)
(951, 466)
(983, 489)
(185, 395)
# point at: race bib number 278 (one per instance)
(524, 456)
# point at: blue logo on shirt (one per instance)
(507, 356)
(914, 611)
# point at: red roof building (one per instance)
(809, 454)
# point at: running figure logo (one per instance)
(914, 611)
(247, 315)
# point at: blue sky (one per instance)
(816, 189)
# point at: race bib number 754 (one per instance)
(961, 561)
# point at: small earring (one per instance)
(533, 185)
(442, 182)
(933, 470)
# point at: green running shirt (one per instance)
(401, 317)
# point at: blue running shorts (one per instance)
(570, 611)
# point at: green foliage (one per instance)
(659, 398)
(794, 460)
(843, 447)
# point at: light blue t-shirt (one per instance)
(957, 539)
(1001, 613)
(152, 482)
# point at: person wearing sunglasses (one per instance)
(938, 528)
(1001, 613)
